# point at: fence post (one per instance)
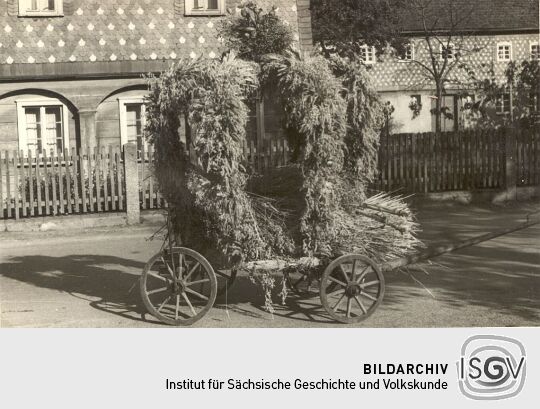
(511, 169)
(132, 184)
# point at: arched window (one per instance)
(42, 126)
(132, 121)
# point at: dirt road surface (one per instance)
(90, 279)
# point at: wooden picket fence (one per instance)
(470, 160)
(94, 181)
(429, 162)
(263, 154)
(74, 182)
(150, 196)
(528, 158)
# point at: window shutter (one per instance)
(12, 7)
(179, 7)
(70, 6)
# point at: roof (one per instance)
(94, 31)
(473, 15)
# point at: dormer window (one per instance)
(205, 7)
(37, 8)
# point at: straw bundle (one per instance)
(382, 226)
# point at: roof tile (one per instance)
(476, 15)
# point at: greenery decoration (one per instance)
(203, 178)
(313, 107)
(256, 33)
(316, 207)
(366, 116)
(415, 106)
(334, 118)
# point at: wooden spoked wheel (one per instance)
(352, 287)
(178, 287)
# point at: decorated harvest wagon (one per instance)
(312, 220)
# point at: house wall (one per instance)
(402, 119)
(92, 32)
(8, 125)
(108, 117)
(389, 74)
(98, 51)
(397, 81)
(97, 95)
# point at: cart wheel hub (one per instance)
(352, 290)
(180, 287)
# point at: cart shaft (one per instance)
(448, 248)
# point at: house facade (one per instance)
(494, 33)
(71, 71)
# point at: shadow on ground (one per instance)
(108, 283)
(501, 276)
(111, 284)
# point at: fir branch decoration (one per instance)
(203, 178)
(313, 107)
(256, 33)
(317, 206)
(365, 119)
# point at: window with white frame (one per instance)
(407, 54)
(502, 104)
(535, 51)
(504, 51)
(132, 122)
(448, 52)
(368, 55)
(36, 8)
(43, 126)
(205, 7)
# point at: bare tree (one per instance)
(442, 27)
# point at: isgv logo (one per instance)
(491, 367)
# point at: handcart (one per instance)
(179, 285)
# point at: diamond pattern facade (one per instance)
(115, 30)
(390, 74)
(97, 50)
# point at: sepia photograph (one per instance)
(269, 164)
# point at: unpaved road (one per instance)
(89, 279)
